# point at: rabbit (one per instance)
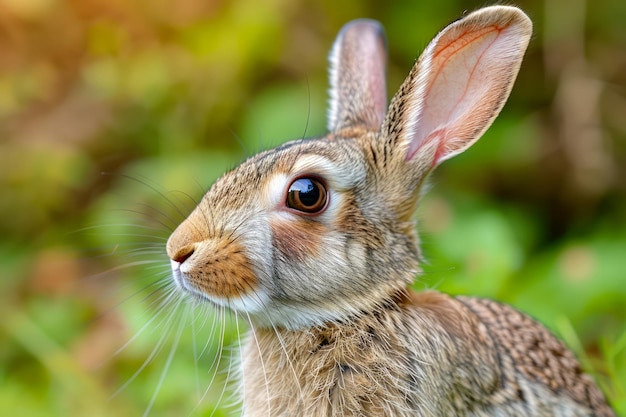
(315, 243)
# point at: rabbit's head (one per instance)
(321, 229)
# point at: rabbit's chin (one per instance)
(257, 307)
(262, 311)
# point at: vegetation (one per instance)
(116, 115)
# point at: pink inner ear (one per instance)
(467, 78)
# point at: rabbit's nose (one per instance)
(184, 253)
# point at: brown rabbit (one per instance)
(315, 243)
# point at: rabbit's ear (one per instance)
(459, 85)
(358, 92)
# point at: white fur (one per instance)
(333, 92)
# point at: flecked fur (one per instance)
(335, 329)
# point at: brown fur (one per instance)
(424, 354)
(335, 329)
(231, 275)
(298, 240)
(226, 272)
(537, 354)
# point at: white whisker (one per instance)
(168, 362)
(155, 351)
(258, 346)
(160, 310)
(223, 391)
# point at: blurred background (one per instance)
(116, 115)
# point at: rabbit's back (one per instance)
(425, 354)
(536, 369)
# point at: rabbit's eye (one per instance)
(307, 195)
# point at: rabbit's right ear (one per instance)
(458, 86)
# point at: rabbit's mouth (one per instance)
(182, 281)
(246, 304)
(183, 284)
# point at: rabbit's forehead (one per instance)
(339, 163)
(339, 173)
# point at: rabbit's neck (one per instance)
(363, 366)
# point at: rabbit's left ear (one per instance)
(458, 86)
(358, 92)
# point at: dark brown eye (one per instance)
(307, 195)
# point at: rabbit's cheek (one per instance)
(298, 239)
(352, 221)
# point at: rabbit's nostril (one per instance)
(183, 254)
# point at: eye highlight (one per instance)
(307, 195)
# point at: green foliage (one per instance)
(116, 116)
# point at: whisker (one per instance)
(211, 335)
(194, 201)
(308, 114)
(258, 346)
(157, 314)
(143, 214)
(216, 361)
(196, 359)
(241, 143)
(241, 376)
(159, 283)
(168, 362)
(108, 226)
(289, 361)
(146, 264)
(145, 183)
(223, 391)
(155, 351)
